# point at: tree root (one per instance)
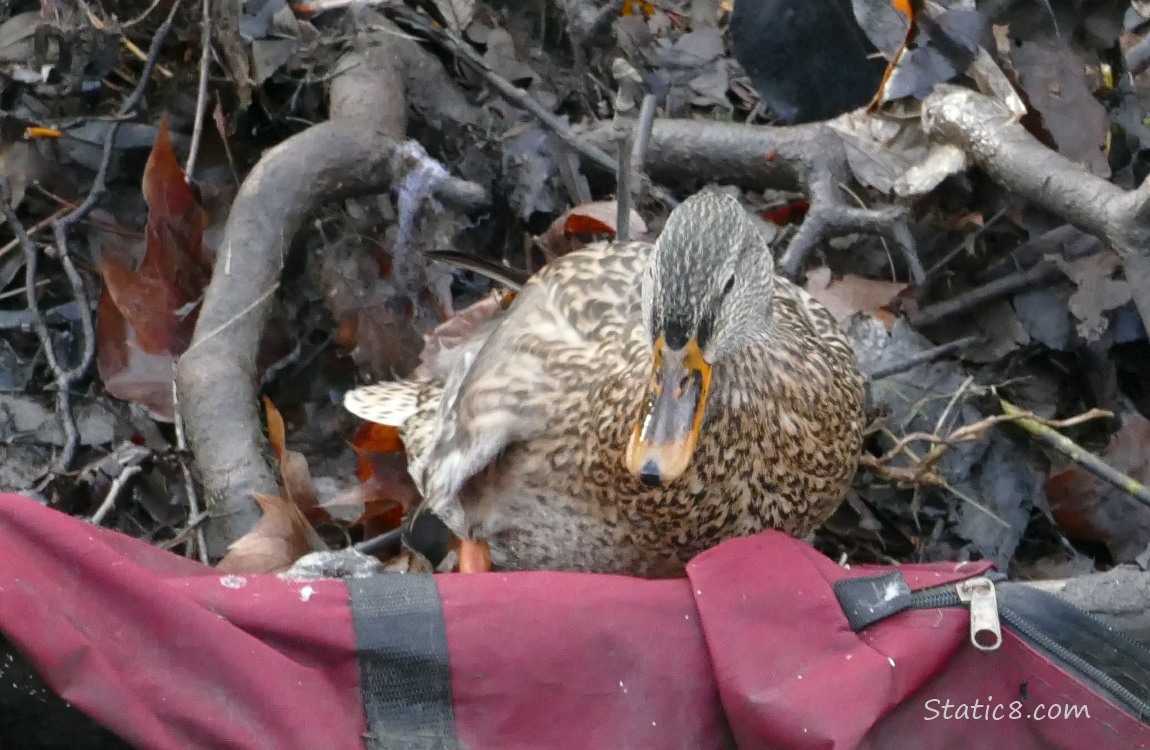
(359, 150)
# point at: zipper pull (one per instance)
(985, 631)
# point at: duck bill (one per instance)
(663, 441)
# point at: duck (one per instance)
(635, 404)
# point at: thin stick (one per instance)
(66, 378)
(1040, 274)
(1053, 439)
(376, 543)
(62, 377)
(202, 93)
(513, 93)
(118, 485)
(641, 141)
(197, 542)
(923, 357)
(7, 248)
(623, 191)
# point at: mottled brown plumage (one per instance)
(523, 444)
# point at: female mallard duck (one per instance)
(637, 404)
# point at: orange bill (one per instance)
(663, 441)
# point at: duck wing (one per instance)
(539, 362)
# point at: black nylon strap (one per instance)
(867, 600)
(404, 666)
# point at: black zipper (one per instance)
(944, 597)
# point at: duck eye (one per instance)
(729, 286)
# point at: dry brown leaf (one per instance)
(277, 540)
(294, 471)
(386, 341)
(1088, 508)
(129, 372)
(383, 498)
(597, 217)
(277, 432)
(443, 344)
(457, 13)
(1097, 293)
(1051, 74)
(851, 294)
(146, 316)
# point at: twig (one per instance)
(961, 247)
(66, 378)
(194, 525)
(202, 92)
(1042, 273)
(930, 355)
(914, 475)
(1049, 437)
(376, 543)
(623, 191)
(642, 140)
(63, 378)
(8, 247)
(828, 218)
(512, 93)
(954, 399)
(923, 472)
(118, 485)
(197, 544)
(128, 44)
(146, 12)
(995, 141)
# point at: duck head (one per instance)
(706, 295)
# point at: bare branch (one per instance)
(997, 144)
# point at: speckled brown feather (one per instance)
(524, 445)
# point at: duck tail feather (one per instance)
(389, 404)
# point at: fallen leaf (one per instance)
(936, 48)
(1090, 509)
(386, 340)
(638, 8)
(1052, 76)
(597, 218)
(1098, 291)
(373, 438)
(850, 294)
(464, 331)
(128, 372)
(277, 431)
(362, 502)
(386, 490)
(278, 539)
(150, 312)
(294, 472)
(457, 13)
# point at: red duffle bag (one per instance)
(106, 641)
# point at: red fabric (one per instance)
(792, 674)
(570, 661)
(752, 647)
(168, 653)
